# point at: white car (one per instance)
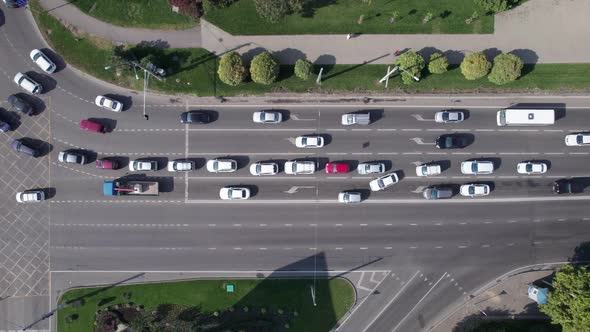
(309, 142)
(428, 170)
(577, 139)
(295, 167)
(264, 169)
(384, 182)
(42, 61)
(474, 189)
(222, 165)
(143, 165)
(449, 116)
(349, 197)
(230, 193)
(267, 117)
(30, 196)
(181, 165)
(71, 157)
(475, 167)
(370, 168)
(28, 84)
(531, 167)
(109, 104)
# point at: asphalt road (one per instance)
(294, 222)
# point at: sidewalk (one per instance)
(505, 300)
(539, 31)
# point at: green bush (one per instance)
(438, 63)
(493, 6)
(296, 6)
(412, 63)
(220, 3)
(272, 10)
(507, 68)
(303, 69)
(231, 69)
(264, 68)
(475, 65)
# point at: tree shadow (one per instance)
(289, 55)
(310, 6)
(528, 56)
(344, 71)
(251, 53)
(471, 323)
(581, 253)
(455, 57)
(491, 53)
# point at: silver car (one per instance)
(449, 116)
(348, 197)
(267, 117)
(71, 157)
(384, 182)
(371, 168)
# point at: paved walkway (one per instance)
(540, 31)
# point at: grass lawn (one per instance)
(342, 16)
(154, 14)
(193, 71)
(334, 298)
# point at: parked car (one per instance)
(20, 105)
(4, 126)
(384, 182)
(311, 141)
(568, 186)
(106, 163)
(197, 117)
(334, 168)
(27, 83)
(428, 170)
(41, 60)
(349, 197)
(71, 157)
(267, 117)
(109, 104)
(89, 125)
(142, 165)
(264, 169)
(181, 165)
(437, 192)
(531, 167)
(222, 165)
(449, 116)
(476, 167)
(233, 193)
(30, 196)
(19, 145)
(370, 168)
(579, 139)
(451, 141)
(11, 3)
(296, 167)
(474, 189)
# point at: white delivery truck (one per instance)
(525, 117)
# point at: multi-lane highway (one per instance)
(436, 252)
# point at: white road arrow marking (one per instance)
(294, 189)
(417, 163)
(291, 139)
(295, 117)
(420, 118)
(420, 141)
(419, 189)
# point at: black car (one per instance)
(20, 104)
(451, 141)
(195, 117)
(567, 186)
(4, 125)
(19, 146)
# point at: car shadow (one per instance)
(36, 103)
(46, 81)
(242, 161)
(400, 174)
(49, 192)
(60, 64)
(374, 114)
(320, 162)
(43, 147)
(444, 164)
(12, 118)
(199, 162)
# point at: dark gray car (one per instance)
(437, 192)
(4, 126)
(20, 104)
(19, 146)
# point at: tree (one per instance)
(507, 68)
(568, 303)
(272, 10)
(475, 65)
(493, 6)
(220, 3)
(438, 63)
(412, 64)
(264, 68)
(231, 69)
(303, 69)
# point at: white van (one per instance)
(525, 117)
(27, 83)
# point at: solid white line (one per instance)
(422, 299)
(391, 301)
(241, 153)
(310, 272)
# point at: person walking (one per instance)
(396, 53)
(348, 36)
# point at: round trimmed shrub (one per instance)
(231, 69)
(271, 10)
(412, 63)
(303, 69)
(438, 63)
(507, 68)
(264, 68)
(475, 65)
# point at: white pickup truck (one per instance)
(299, 167)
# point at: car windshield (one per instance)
(334, 168)
(381, 183)
(472, 190)
(115, 104)
(580, 139)
(474, 167)
(445, 116)
(529, 167)
(102, 100)
(258, 168)
(449, 141)
(424, 169)
(36, 56)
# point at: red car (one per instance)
(334, 168)
(88, 125)
(106, 164)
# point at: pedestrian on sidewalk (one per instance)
(396, 53)
(348, 36)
